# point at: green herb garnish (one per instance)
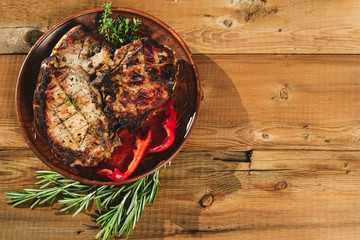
(119, 207)
(72, 102)
(67, 98)
(119, 31)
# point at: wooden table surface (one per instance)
(281, 81)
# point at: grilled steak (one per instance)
(79, 115)
(67, 107)
(142, 81)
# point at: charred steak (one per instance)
(86, 90)
(140, 80)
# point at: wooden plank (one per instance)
(219, 26)
(278, 101)
(10, 135)
(345, 161)
(252, 102)
(303, 203)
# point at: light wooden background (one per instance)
(280, 79)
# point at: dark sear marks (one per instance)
(86, 90)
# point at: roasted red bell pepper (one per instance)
(126, 158)
(159, 128)
(162, 124)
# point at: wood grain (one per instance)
(10, 135)
(283, 101)
(219, 26)
(253, 102)
(299, 202)
(343, 161)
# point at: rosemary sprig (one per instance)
(119, 207)
(119, 31)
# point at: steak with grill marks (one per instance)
(87, 89)
(141, 81)
(67, 108)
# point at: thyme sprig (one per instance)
(119, 207)
(119, 31)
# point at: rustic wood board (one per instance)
(276, 145)
(219, 26)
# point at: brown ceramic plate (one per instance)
(187, 94)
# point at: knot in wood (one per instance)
(265, 136)
(32, 36)
(206, 200)
(281, 185)
(284, 94)
(227, 23)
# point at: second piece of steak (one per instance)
(141, 80)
